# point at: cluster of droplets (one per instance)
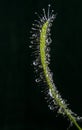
(55, 102)
(35, 39)
(35, 44)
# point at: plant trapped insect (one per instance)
(40, 41)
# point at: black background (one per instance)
(22, 105)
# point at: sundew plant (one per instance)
(40, 42)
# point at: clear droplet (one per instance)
(36, 13)
(36, 70)
(48, 41)
(62, 101)
(50, 93)
(43, 18)
(48, 30)
(48, 50)
(32, 42)
(51, 107)
(48, 58)
(61, 111)
(47, 62)
(35, 63)
(48, 55)
(53, 16)
(49, 5)
(51, 76)
(37, 80)
(50, 24)
(41, 76)
(79, 118)
(57, 95)
(54, 102)
(30, 46)
(34, 35)
(40, 66)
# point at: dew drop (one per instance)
(48, 30)
(48, 58)
(54, 102)
(35, 12)
(30, 46)
(48, 49)
(40, 66)
(49, 5)
(34, 35)
(47, 62)
(49, 34)
(37, 80)
(51, 76)
(43, 18)
(50, 24)
(41, 76)
(50, 93)
(36, 70)
(51, 107)
(57, 95)
(35, 63)
(62, 101)
(61, 111)
(79, 119)
(48, 41)
(53, 16)
(40, 30)
(32, 42)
